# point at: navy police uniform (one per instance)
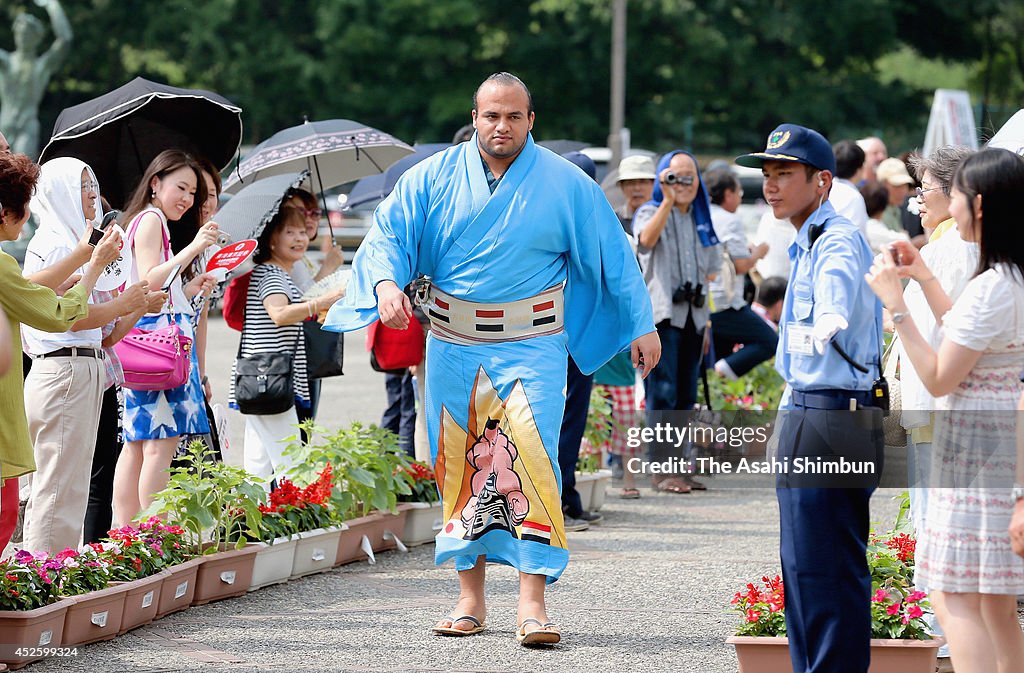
(824, 518)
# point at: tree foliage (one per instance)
(715, 75)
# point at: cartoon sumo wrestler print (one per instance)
(497, 500)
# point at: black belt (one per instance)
(73, 351)
(831, 399)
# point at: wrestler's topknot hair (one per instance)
(506, 79)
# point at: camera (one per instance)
(97, 232)
(688, 293)
(672, 179)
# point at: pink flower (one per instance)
(915, 612)
(916, 596)
(880, 596)
(893, 609)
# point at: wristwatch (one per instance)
(1017, 492)
(897, 318)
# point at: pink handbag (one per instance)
(155, 360)
(159, 359)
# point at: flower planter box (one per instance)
(373, 527)
(95, 616)
(771, 655)
(225, 574)
(179, 587)
(591, 487)
(42, 627)
(141, 601)
(422, 523)
(585, 487)
(274, 563)
(604, 477)
(316, 551)
(394, 526)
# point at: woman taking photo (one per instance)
(274, 312)
(964, 554)
(38, 306)
(167, 200)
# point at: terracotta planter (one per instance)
(95, 616)
(274, 563)
(316, 551)
(225, 574)
(42, 627)
(771, 655)
(422, 523)
(373, 527)
(179, 587)
(141, 601)
(603, 477)
(394, 527)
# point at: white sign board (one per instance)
(951, 121)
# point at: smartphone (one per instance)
(170, 278)
(97, 232)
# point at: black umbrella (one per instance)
(247, 213)
(336, 151)
(376, 187)
(120, 132)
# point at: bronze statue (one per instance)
(24, 74)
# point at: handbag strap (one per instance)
(166, 253)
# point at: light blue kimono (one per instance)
(494, 410)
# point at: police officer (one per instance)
(829, 354)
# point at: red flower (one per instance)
(880, 596)
(753, 615)
(893, 609)
(914, 612)
(916, 597)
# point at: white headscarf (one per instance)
(57, 205)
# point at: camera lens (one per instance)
(671, 179)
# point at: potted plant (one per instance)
(31, 609)
(591, 480)
(369, 469)
(424, 520)
(900, 640)
(217, 505)
(305, 514)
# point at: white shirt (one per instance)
(953, 261)
(880, 236)
(778, 234)
(36, 342)
(848, 202)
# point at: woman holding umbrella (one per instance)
(26, 302)
(274, 312)
(170, 195)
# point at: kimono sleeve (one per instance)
(388, 252)
(607, 304)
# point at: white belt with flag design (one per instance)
(470, 323)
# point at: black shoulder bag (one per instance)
(264, 382)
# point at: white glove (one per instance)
(826, 327)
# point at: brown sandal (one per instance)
(673, 485)
(478, 626)
(544, 634)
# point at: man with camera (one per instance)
(679, 255)
(829, 355)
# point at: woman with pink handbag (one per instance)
(164, 400)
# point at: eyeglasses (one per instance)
(921, 192)
(315, 212)
(90, 187)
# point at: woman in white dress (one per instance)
(964, 554)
